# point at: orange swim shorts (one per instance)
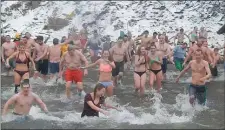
(74, 75)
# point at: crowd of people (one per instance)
(148, 55)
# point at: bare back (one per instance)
(54, 53)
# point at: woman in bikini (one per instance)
(93, 102)
(21, 70)
(155, 69)
(106, 64)
(140, 70)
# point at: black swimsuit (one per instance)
(140, 73)
(88, 111)
(18, 61)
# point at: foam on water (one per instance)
(160, 116)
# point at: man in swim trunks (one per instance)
(180, 37)
(179, 54)
(30, 43)
(8, 48)
(94, 44)
(216, 59)
(164, 50)
(154, 38)
(84, 36)
(198, 45)
(200, 73)
(41, 57)
(23, 100)
(145, 40)
(118, 52)
(73, 60)
(54, 57)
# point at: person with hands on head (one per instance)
(21, 70)
(23, 100)
(200, 73)
(72, 60)
(93, 102)
(106, 64)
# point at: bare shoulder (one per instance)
(205, 62)
(34, 95)
(28, 54)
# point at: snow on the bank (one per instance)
(105, 25)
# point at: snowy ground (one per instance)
(146, 14)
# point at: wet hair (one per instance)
(181, 29)
(20, 44)
(152, 45)
(120, 38)
(139, 50)
(25, 82)
(125, 35)
(70, 47)
(55, 41)
(110, 56)
(155, 33)
(216, 49)
(98, 87)
(62, 40)
(146, 31)
(199, 50)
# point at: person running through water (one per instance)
(54, 57)
(93, 102)
(179, 54)
(180, 37)
(30, 43)
(8, 48)
(94, 44)
(191, 51)
(216, 59)
(200, 73)
(84, 36)
(145, 40)
(164, 50)
(106, 64)
(154, 38)
(194, 35)
(21, 70)
(72, 60)
(140, 69)
(155, 68)
(118, 52)
(41, 57)
(23, 101)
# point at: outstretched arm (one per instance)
(40, 102)
(183, 71)
(11, 101)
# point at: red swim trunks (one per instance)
(83, 42)
(74, 75)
